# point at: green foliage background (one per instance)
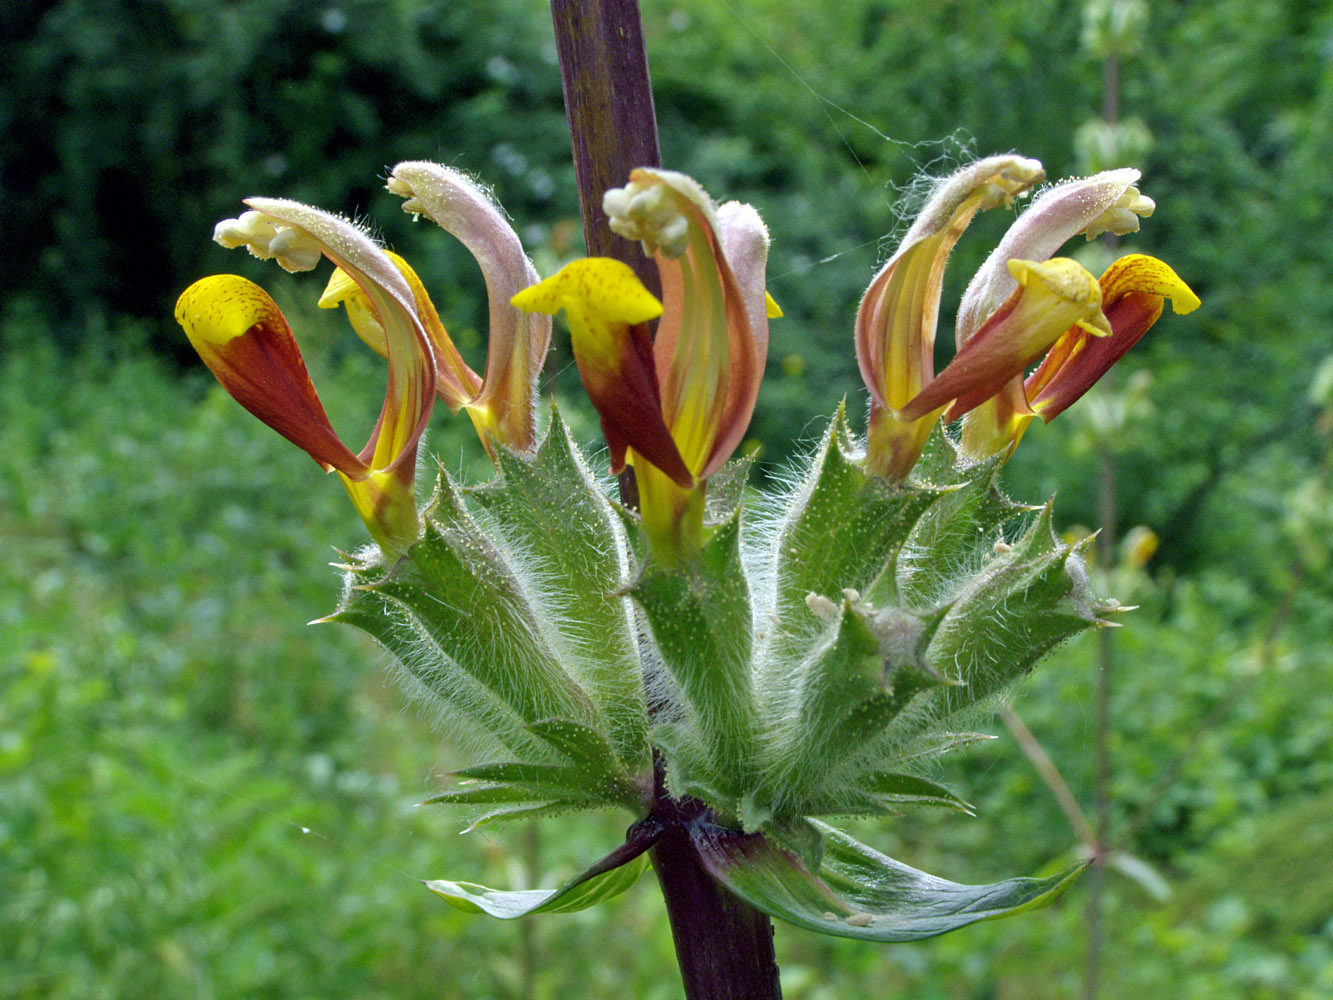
(169, 727)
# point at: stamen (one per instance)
(645, 211)
(1123, 216)
(266, 238)
(411, 205)
(1014, 180)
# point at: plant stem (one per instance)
(609, 102)
(724, 946)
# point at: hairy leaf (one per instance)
(859, 892)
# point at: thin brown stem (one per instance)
(1050, 775)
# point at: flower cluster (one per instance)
(735, 679)
(1021, 305)
(675, 381)
(244, 339)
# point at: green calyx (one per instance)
(820, 646)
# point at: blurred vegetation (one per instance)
(169, 727)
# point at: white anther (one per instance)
(1122, 217)
(645, 211)
(412, 205)
(295, 250)
(1014, 180)
(253, 229)
(268, 239)
(851, 593)
(615, 203)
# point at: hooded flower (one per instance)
(674, 406)
(1134, 290)
(244, 339)
(1021, 304)
(1105, 202)
(895, 324)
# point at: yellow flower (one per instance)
(895, 324)
(674, 406)
(1021, 304)
(244, 339)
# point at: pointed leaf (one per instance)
(460, 589)
(860, 893)
(843, 528)
(967, 518)
(529, 811)
(461, 701)
(549, 508)
(486, 794)
(699, 612)
(608, 877)
(592, 758)
(540, 782)
(1021, 605)
(846, 693)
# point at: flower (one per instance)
(1020, 305)
(1134, 289)
(1051, 297)
(243, 338)
(504, 405)
(674, 406)
(1132, 292)
(1105, 202)
(895, 324)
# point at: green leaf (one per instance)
(726, 489)
(478, 793)
(459, 590)
(699, 612)
(549, 508)
(883, 792)
(1024, 602)
(966, 519)
(608, 877)
(461, 700)
(529, 810)
(592, 757)
(581, 744)
(843, 529)
(847, 692)
(858, 892)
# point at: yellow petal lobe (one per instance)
(1148, 275)
(216, 310)
(600, 290)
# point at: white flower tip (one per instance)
(1122, 217)
(266, 238)
(1016, 179)
(643, 210)
(295, 250)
